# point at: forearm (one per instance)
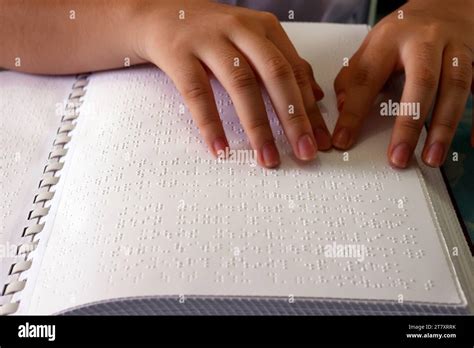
(63, 37)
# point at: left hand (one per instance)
(433, 43)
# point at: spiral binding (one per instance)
(43, 196)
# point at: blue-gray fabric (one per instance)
(337, 11)
(169, 305)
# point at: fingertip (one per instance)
(395, 166)
(400, 156)
(307, 148)
(323, 139)
(342, 139)
(219, 147)
(269, 156)
(431, 165)
(434, 155)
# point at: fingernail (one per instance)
(306, 148)
(342, 139)
(341, 98)
(435, 155)
(323, 139)
(219, 146)
(270, 155)
(400, 155)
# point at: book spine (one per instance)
(17, 277)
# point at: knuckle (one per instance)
(426, 78)
(242, 79)
(432, 32)
(176, 45)
(411, 127)
(257, 126)
(460, 77)
(270, 18)
(307, 67)
(362, 76)
(465, 58)
(302, 73)
(446, 123)
(195, 90)
(278, 68)
(426, 51)
(297, 118)
(385, 29)
(459, 81)
(231, 20)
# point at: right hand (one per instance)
(211, 36)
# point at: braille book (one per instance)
(112, 204)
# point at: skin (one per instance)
(423, 45)
(207, 41)
(212, 35)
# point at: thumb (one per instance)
(340, 85)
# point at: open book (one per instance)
(113, 205)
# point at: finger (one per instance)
(277, 76)
(307, 69)
(275, 32)
(192, 82)
(367, 73)
(342, 79)
(311, 95)
(233, 71)
(310, 90)
(454, 90)
(316, 88)
(422, 62)
(340, 84)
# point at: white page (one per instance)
(145, 210)
(28, 125)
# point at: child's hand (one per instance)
(433, 42)
(185, 38)
(241, 48)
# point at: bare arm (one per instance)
(185, 38)
(62, 37)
